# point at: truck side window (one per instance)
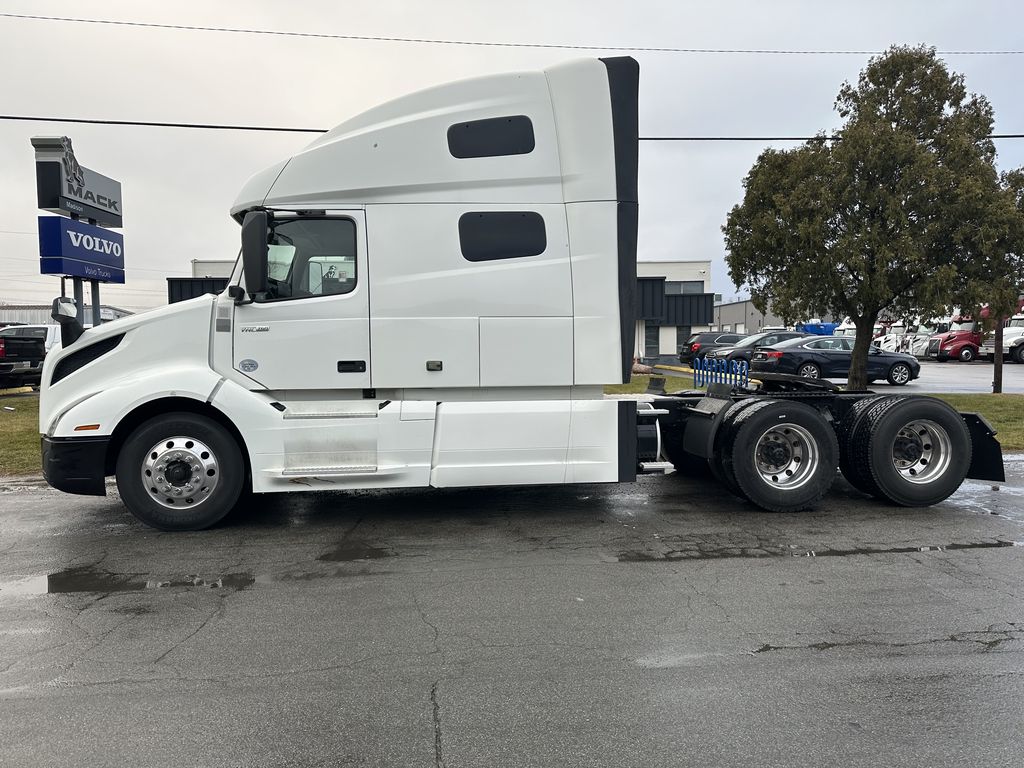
(493, 235)
(311, 257)
(492, 137)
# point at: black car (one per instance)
(828, 357)
(744, 348)
(700, 344)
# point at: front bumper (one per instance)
(76, 464)
(21, 370)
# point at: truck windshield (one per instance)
(964, 325)
(1017, 322)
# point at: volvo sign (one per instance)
(64, 186)
(68, 247)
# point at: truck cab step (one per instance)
(289, 414)
(327, 471)
(657, 468)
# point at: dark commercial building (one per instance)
(673, 303)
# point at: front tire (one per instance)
(809, 371)
(180, 472)
(966, 355)
(899, 375)
(1017, 353)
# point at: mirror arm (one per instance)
(238, 295)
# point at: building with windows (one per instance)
(744, 317)
(673, 303)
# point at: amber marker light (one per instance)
(86, 427)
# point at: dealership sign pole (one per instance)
(69, 246)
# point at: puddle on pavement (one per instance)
(348, 551)
(89, 580)
(86, 579)
(759, 553)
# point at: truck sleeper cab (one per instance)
(433, 294)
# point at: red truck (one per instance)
(961, 342)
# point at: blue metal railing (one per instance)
(735, 373)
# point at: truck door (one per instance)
(312, 329)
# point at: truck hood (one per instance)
(202, 304)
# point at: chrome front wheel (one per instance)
(180, 471)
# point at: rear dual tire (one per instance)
(913, 452)
(779, 455)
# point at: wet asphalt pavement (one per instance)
(956, 377)
(660, 623)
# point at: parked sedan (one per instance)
(744, 348)
(699, 344)
(828, 357)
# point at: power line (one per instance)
(160, 124)
(484, 43)
(265, 128)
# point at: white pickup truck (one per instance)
(434, 294)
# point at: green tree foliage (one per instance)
(902, 212)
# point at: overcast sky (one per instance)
(178, 184)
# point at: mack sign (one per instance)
(66, 187)
(69, 247)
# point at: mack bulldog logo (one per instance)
(75, 181)
(64, 185)
(72, 170)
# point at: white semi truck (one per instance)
(1013, 341)
(434, 294)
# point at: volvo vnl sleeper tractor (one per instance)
(434, 294)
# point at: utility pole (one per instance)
(997, 364)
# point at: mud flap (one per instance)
(987, 454)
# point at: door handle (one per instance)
(351, 366)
